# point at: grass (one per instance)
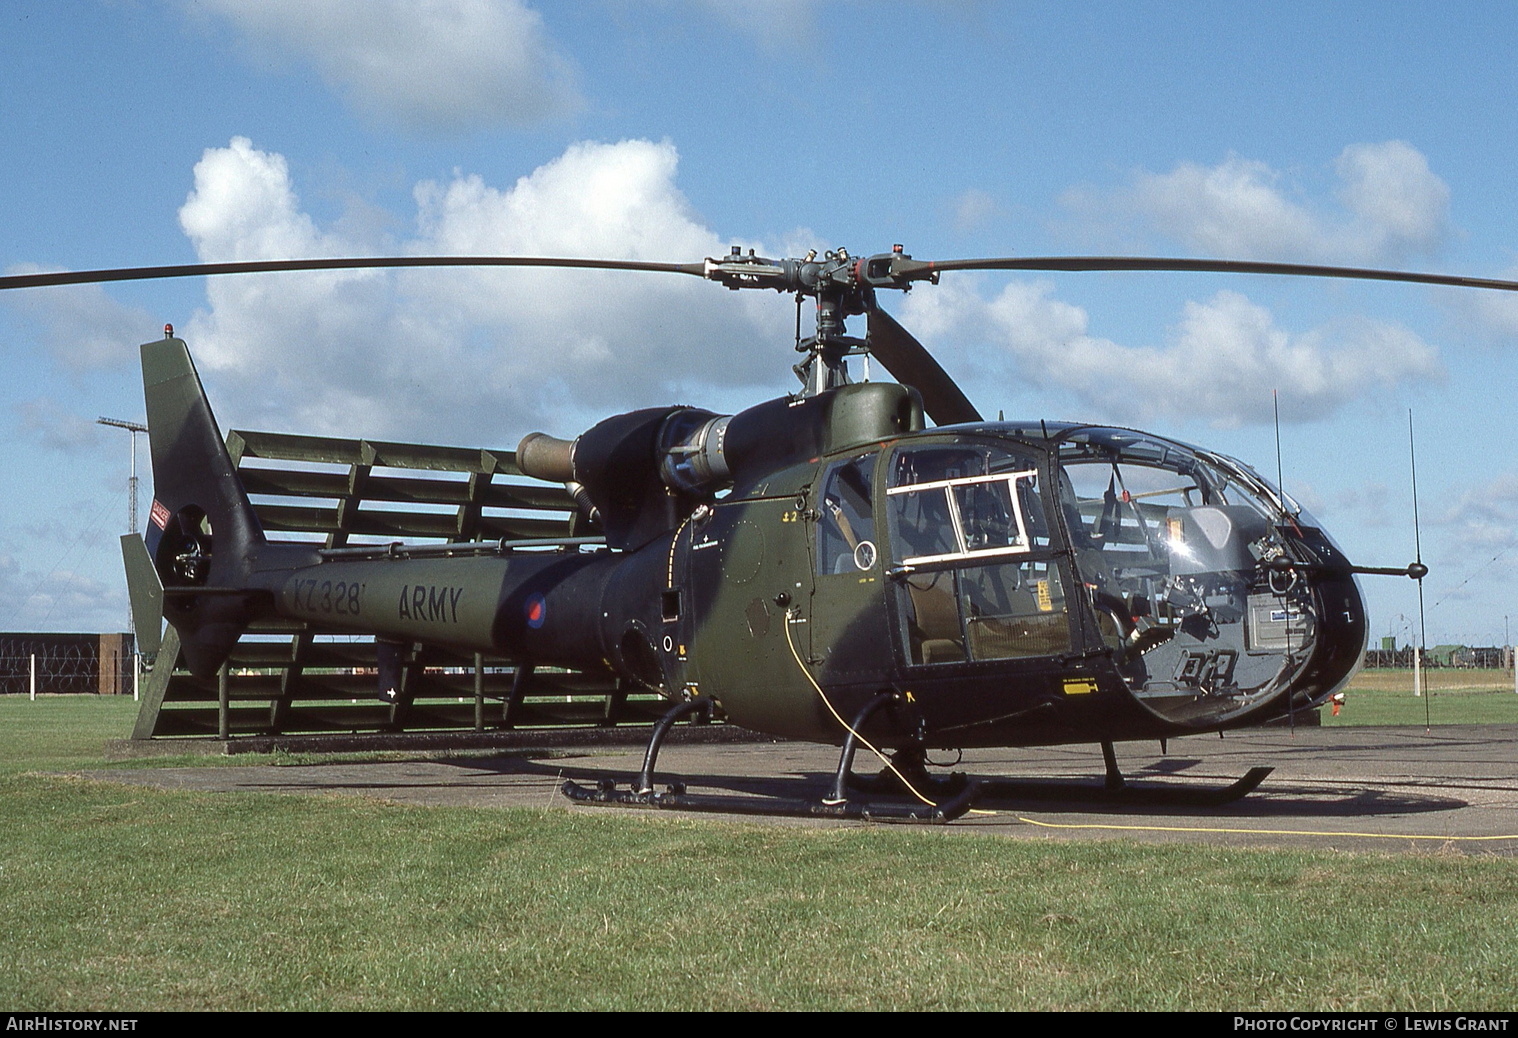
(1454, 696)
(127, 899)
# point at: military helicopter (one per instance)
(824, 566)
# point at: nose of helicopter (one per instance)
(1304, 634)
(1222, 602)
(1339, 650)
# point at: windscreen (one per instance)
(1175, 551)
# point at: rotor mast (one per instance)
(842, 285)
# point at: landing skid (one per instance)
(678, 799)
(1115, 790)
(951, 797)
(1179, 796)
(910, 765)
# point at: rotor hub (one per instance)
(842, 285)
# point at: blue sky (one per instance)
(154, 131)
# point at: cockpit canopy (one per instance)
(1166, 555)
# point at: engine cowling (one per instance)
(645, 471)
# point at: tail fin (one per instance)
(145, 590)
(202, 534)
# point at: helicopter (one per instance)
(825, 566)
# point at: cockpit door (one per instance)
(975, 572)
(848, 627)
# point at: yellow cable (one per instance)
(839, 718)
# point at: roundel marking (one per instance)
(536, 611)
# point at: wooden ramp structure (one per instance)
(290, 679)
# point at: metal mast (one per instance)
(134, 428)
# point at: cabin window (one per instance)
(962, 518)
(964, 501)
(1007, 610)
(846, 538)
(976, 577)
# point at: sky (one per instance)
(139, 132)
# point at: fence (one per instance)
(66, 663)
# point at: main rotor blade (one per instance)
(905, 270)
(912, 364)
(926, 268)
(188, 270)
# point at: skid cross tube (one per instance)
(642, 793)
(702, 706)
(851, 744)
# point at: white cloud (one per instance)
(1223, 358)
(460, 354)
(245, 208)
(1232, 209)
(1490, 314)
(434, 66)
(1474, 554)
(55, 427)
(480, 355)
(1399, 205)
(1484, 516)
(774, 25)
(974, 209)
(591, 195)
(59, 599)
(81, 325)
(1392, 206)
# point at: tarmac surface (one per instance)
(1453, 789)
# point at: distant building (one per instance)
(71, 663)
